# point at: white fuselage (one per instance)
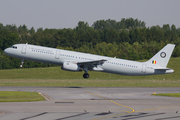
(59, 56)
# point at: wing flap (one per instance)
(96, 62)
(91, 64)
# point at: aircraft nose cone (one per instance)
(6, 51)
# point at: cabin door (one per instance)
(57, 54)
(23, 51)
(143, 68)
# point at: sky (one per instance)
(60, 14)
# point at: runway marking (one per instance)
(48, 98)
(136, 111)
(34, 116)
(72, 116)
(126, 112)
(111, 109)
(133, 110)
(110, 116)
(156, 108)
(128, 117)
(168, 118)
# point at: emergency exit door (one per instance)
(57, 54)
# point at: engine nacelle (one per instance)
(69, 66)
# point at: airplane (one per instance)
(78, 61)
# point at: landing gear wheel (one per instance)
(86, 75)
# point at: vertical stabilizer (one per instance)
(163, 56)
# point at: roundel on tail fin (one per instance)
(163, 54)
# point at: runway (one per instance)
(76, 103)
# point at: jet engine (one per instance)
(69, 66)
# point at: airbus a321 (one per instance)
(77, 61)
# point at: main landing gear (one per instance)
(86, 75)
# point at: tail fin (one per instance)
(163, 56)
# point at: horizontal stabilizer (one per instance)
(163, 69)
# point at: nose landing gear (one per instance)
(22, 62)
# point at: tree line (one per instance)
(126, 39)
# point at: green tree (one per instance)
(22, 29)
(39, 29)
(7, 39)
(32, 31)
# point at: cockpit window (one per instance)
(14, 47)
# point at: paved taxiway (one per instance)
(76, 103)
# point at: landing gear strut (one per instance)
(86, 75)
(22, 62)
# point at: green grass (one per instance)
(168, 94)
(54, 76)
(16, 96)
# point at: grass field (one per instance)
(16, 96)
(168, 94)
(54, 76)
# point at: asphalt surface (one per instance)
(76, 103)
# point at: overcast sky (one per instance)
(67, 13)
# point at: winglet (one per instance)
(163, 56)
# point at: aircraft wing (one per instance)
(91, 64)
